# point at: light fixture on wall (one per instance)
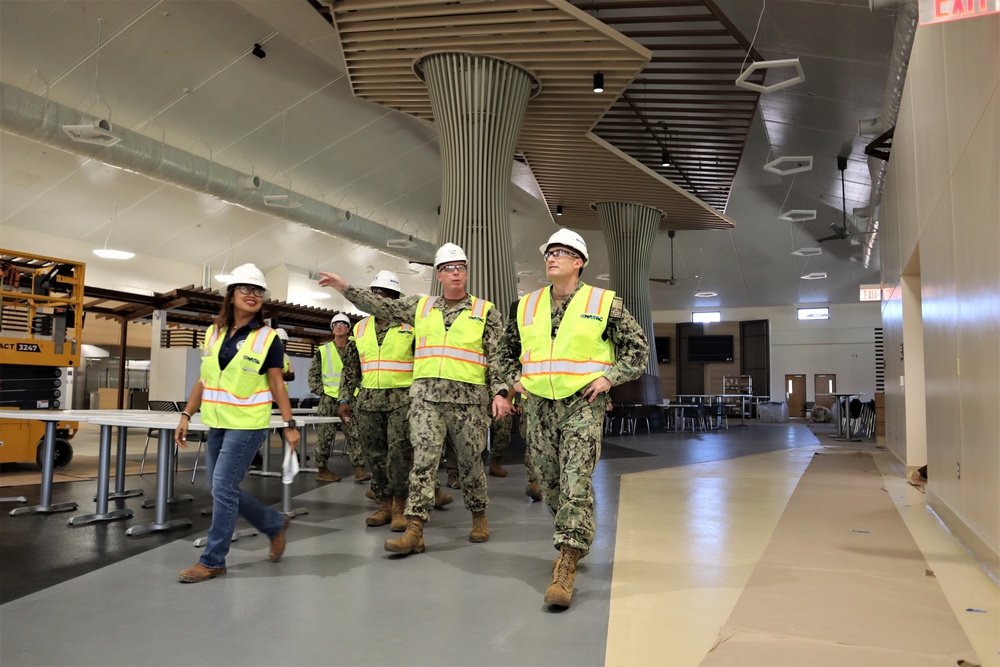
(559, 209)
(111, 253)
(598, 82)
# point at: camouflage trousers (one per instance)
(466, 425)
(564, 438)
(529, 459)
(500, 431)
(327, 433)
(384, 435)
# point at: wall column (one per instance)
(629, 232)
(479, 104)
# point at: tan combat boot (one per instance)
(360, 476)
(560, 591)
(399, 522)
(453, 482)
(411, 542)
(533, 491)
(480, 530)
(496, 469)
(383, 515)
(324, 474)
(441, 498)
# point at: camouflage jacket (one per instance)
(328, 406)
(440, 390)
(631, 346)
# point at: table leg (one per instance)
(286, 489)
(45, 505)
(164, 468)
(302, 452)
(120, 491)
(103, 480)
(265, 469)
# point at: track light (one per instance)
(665, 158)
(258, 51)
(598, 82)
(559, 209)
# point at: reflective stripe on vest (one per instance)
(385, 366)
(578, 355)
(331, 367)
(238, 397)
(455, 353)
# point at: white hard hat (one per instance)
(386, 280)
(282, 334)
(340, 317)
(448, 253)
(570, 239)
(247, 274)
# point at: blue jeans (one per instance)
(229, 454)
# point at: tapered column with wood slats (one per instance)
(478, 104)
(629, 232)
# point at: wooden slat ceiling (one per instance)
(196, 307)
(562, 47)
(685, 100)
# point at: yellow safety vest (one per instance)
(386, 366)
(332, 365)
(455, 354)
(578, 355)
(238, 397)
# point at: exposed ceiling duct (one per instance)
(902, 44)
(43, 120)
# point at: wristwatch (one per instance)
(503, 393)
(290, 423)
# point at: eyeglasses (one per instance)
(559, 252)
(342, 324)
(452, 268)
(250, 289)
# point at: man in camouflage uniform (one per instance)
(378, 416)
(453, 382)
(566, 368)
(499, 442)
(329, 401)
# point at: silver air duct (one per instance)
(902, 44)
(42, 120)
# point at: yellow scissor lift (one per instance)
(42, 301)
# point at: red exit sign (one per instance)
(939, 11)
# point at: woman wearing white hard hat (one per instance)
(241, 373)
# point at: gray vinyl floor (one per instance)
(337, 598)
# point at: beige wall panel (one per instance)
(972, 63)
(940, 312)
(895, 404)
(929, 109)
(976, 207)
(888, 237)
(904, 165)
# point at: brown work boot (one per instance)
(441, 499)
(383, 514)
(370, 495)
(560, 591)
(453, 479)
(326, 475)
(533, 491)
(199, 573)
(480, 530)
(399, 521)
(496, 469)
(360, 476)
(278, 541)
(410, 542)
